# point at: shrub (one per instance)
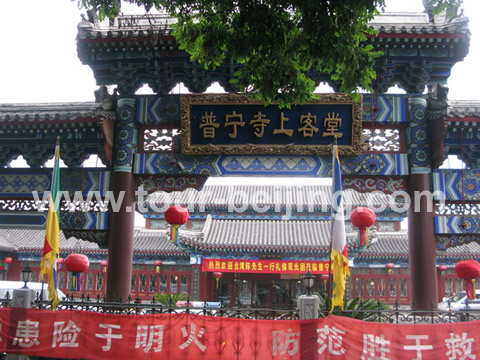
(169, 299)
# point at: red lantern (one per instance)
(468, 270)
(363, 218)
(60, 262)
(104, 263)
(442, 269)
(76, 263)
(176, 216)
(157, 264)
(389, 267)
(217, 275)
(7, 260)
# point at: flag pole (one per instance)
(338, 248)
(51, 246)
(57, 145)
(330, 282)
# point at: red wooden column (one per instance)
(421, 237)
(422, 244)
(121, 228)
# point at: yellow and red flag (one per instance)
(339, 252)
(51, 245)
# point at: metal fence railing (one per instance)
(393, 314)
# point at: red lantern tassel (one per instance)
(174, 233)
(363, 236)
(73, 282)
(76, 281)
(470, 288)
(157, 269)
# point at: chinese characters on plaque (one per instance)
(332, 123)
(234, 124)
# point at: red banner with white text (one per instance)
(265, 266)
(88, 335)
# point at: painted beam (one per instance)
(19, 183)
(369, 164)
(68, 220)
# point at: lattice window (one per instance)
(383, 139)
(184, 284)
(99, 282)
(18, 205)
(392, 287)
(42, 206)
(163, 283)
(89, 285)
(142, 282)
(458, 209)
(173, 284)
(153, 283)
(134, 282)
(381, 287)
(371, 287)
(403, 287)
(158, 140)
(83, 206)
(359, 285)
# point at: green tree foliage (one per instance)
(277, 41)
(169, 299)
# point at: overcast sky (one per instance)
(39, 62)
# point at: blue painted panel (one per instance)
(19, 183)
(457, 185)
(269, 165)
(457, 225)
(22, 220)
(158, 110)
(385, 109)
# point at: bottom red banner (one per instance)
(88, 335)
